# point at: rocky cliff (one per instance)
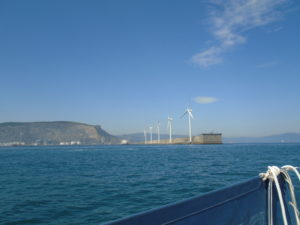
(54, 133)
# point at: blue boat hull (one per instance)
(240, 204)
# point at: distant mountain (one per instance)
(279, 138)
(54, 133)
(71, 133)
(139, 137)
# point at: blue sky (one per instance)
(127, 64)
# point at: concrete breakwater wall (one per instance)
(211, 138)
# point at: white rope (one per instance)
(271, 175)
(270, 202)
(275, 171)
(291, 186)
(293, 203)
(292, 168)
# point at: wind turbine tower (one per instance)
(158, 133)
(150, 128)
(145, 136)
(170, 127)
(190, 115)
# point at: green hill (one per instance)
(54, 133)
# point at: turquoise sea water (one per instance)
(95, 184)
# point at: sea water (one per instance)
(95, 184)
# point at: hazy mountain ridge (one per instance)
(54, 133)
(278, 138)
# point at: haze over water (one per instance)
(95, 184)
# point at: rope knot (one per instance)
(271, 175)
(272, 172)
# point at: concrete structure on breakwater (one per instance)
(207, 138)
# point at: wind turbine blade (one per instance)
(191, 115)
(184, 114)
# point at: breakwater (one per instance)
(207, 138)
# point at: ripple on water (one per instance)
(94, 184)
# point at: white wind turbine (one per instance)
(150, 128)
(190, 115)
(170, 127)
(145, 136)
(158, 133)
